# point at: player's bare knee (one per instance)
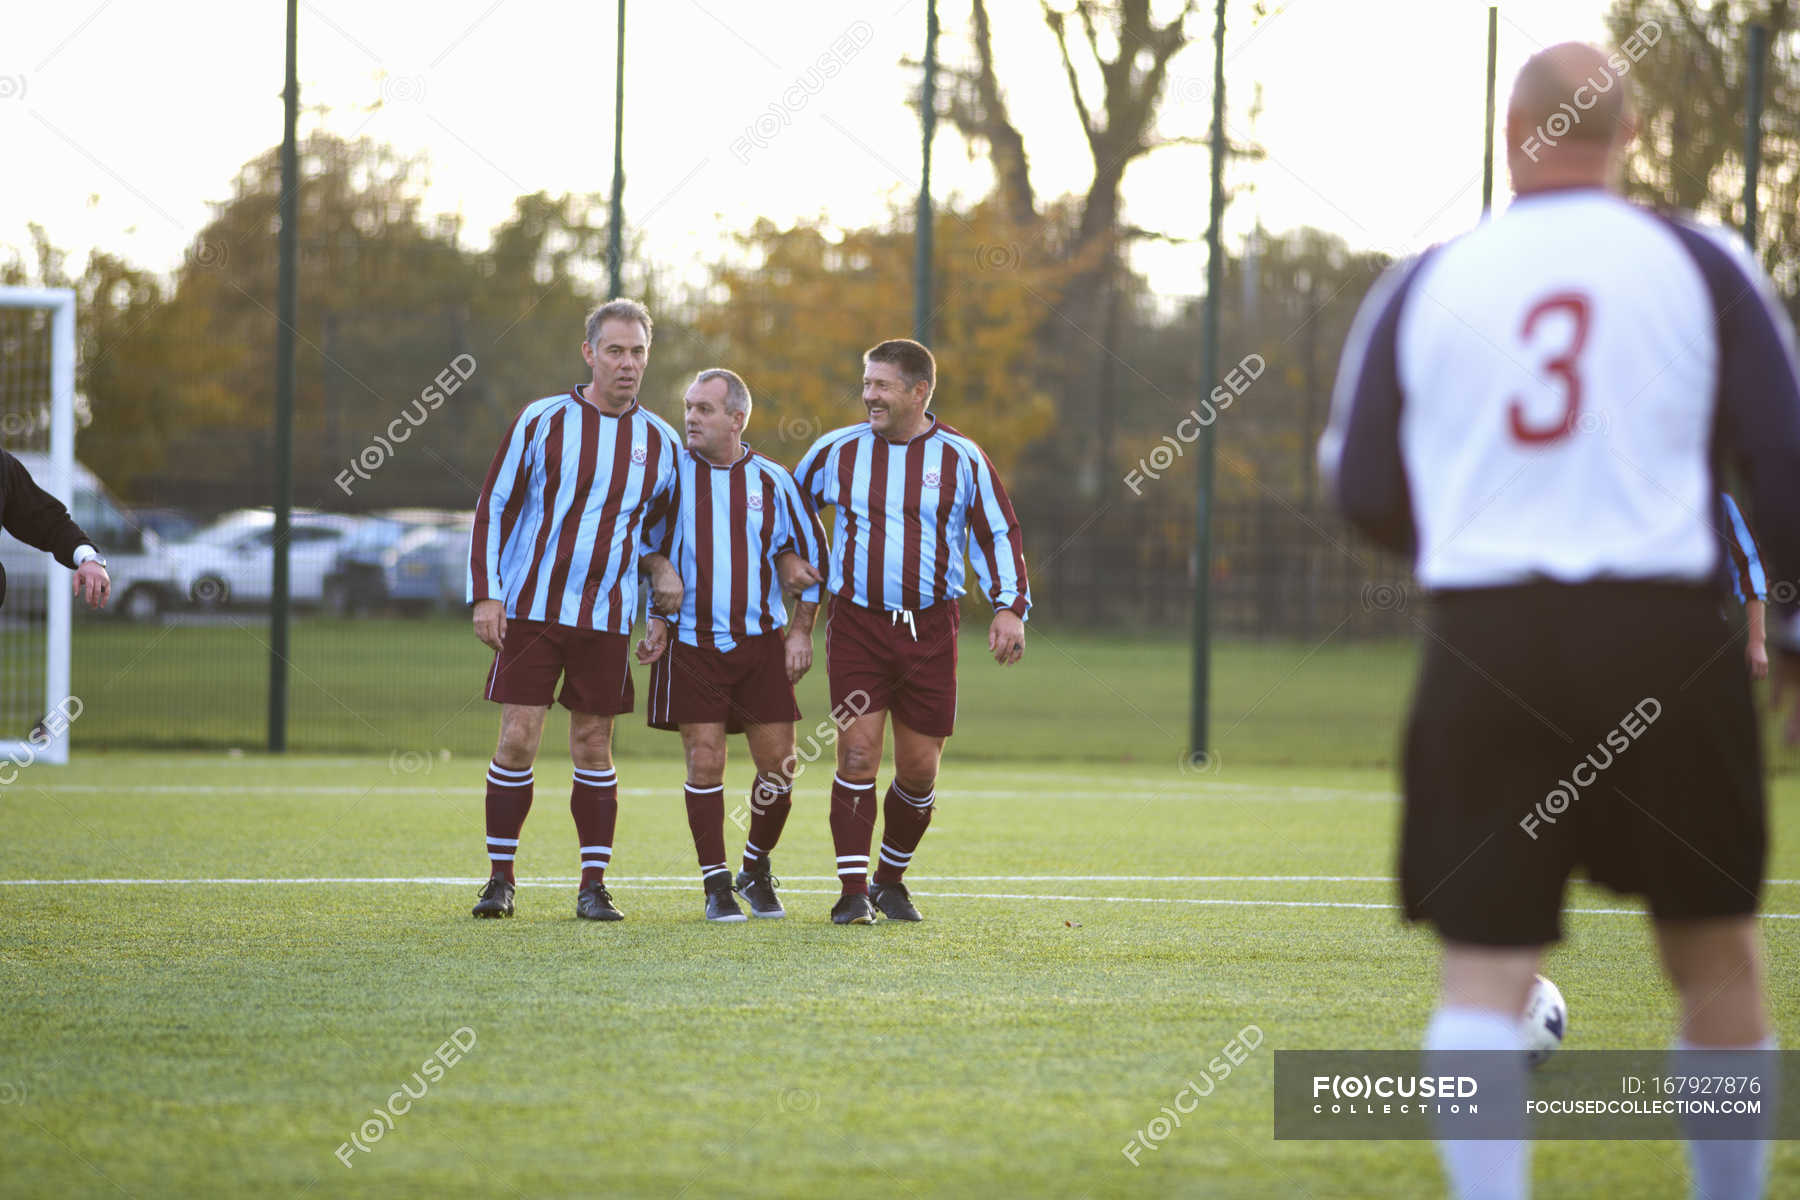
(1493, 977)
(777, 772)
(916, 771)
(1703, 958)
(705, 766)
(915, 783)
(857, 763)
(519, 734)
(590, 744)
(772, 751)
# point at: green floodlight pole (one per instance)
(1487, 158)
(287, 304)
(615, 242)
(1209, 370)
(922, 235)
(1753, 105)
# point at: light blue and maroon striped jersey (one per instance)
(734, 521)
(907, 512)
(573, 497)
(1748, 579)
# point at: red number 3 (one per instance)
(1562, 367)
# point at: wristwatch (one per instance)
(96, 559)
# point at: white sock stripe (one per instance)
(886, 850)
(753, 850)
(606, 780)
(902, 863)
(915, 801)
(596, 849)
(862, 870)
(495, 768)
(775, 789)
(715, 869)
(494, 841)
(703, 791)
(855, 787)
(509, 783)
(852, 859)
(500, 857)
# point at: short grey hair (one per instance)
(737, 392)
(617, 310)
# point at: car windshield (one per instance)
(232, 526)
(376, 533)
(417, 539)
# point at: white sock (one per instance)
(1497, 1169)
(1725, 1170)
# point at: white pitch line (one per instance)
(632, 880)
(473, 785)
(628, 880)
(470, 881)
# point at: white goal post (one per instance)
(37, 412)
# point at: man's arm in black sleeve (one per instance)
(36, 517)
(1758, 422)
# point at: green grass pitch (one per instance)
(229, 1036)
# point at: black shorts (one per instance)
(1606, 727)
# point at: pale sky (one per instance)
(123, 119)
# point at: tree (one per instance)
(125, 406)
(1115, 57)
(1690, 90)
(800, 305)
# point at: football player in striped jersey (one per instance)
(579, 496)
(722, 664)
(912, 497)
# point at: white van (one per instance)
(143, 572)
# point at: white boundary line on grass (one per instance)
(470, 881)
(472, 785)
(633, 880)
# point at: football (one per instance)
(1545, 1022)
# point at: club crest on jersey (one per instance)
(930, 479)
(755, 503)
(639, 454)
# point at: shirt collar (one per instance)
(739, 461)
(920, 436)
(575, 395)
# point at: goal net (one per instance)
(37, 420)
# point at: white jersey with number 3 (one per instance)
(1538, 399)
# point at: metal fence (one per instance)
(1279, 570)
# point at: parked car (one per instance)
(169, 524)
(433, 568)
(145, 577)
(410, 560)
(360, 577)
(232, 561)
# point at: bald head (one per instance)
(1569, 118)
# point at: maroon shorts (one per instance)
(906, 669)
(745, 685)
(595, 670)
